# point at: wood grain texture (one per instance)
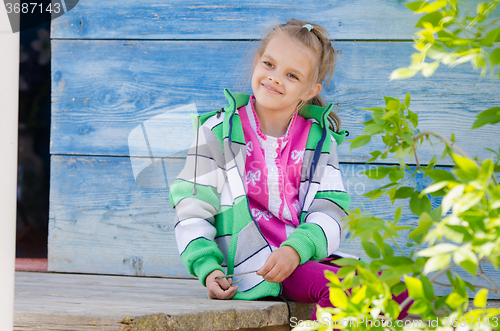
(48, 301)
(99, 95)
(102, 222)
(209, 19)
(128, 19)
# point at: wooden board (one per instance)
(102, 222)
(48, 301)
(209, 19)
(360, 19)
(99, 95)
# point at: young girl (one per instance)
(261, 194)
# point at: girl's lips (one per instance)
(270, 89)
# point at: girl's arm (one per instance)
(195, 209)
(323, 229)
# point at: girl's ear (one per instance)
(314, 91)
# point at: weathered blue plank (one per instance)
(102, 222)
(359, 19)
(99, 94)
(156, 19)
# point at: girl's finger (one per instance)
(223, 283)
(229, 293)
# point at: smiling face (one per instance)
(283, 75)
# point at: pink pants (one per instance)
(308, 284)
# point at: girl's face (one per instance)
(282, 76)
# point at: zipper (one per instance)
(234, 157)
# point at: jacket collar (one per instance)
(320, 114)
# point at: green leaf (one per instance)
(389, 251)
(466, 259)
(397, 215)
(404, 192)
(433, 18)
(419, 204)
(440, 175)
(440, 302)
(407, 99)
(455, 300)
(398, 288)
(392, 105)
(438, 249)
(396, 175)
(377, 173)
(432, 163)
(450, 197)
(425, 223)
(348, 262)
(467, 169)
(437, 263)
(429, 69)
(495, 56)
(332, 277)
(388, 99)
(428, 288)
(490, 38)
(344, 271)
(375, 155)
(375, 109)
(359, 295)
(396, 261)
(480, 299)
(419, 308)
(348, 280)
(373, 194)
(372, 128)
(415, 288)
(416, 5)
(432, 7)
(338, 298)
(435, 187)
(488, 116)
(413, 117)
(371, 249)
(393, 309)
(408, 138)
(402, 73)
(469, 267)
(360, 141)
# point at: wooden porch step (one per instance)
(54, 301)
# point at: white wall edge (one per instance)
(9, 91)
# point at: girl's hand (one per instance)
(280, 264)
(219, 288)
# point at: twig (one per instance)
(436, 276)
(447, 285)
(405, 303)
(483, 276)
(441, 284)
(492, 283)
(395, 243)
(416, 157)
(446, 141)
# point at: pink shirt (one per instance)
(272, 174)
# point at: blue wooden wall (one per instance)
(116, 64)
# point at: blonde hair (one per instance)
(317, 40)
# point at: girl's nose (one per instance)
(274, 79)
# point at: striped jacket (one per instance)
(214, 228)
